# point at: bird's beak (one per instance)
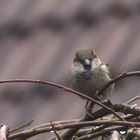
(87, 64)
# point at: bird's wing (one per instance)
(106, 66)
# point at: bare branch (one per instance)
(57, 135)
(32, 132)
(55, 123)
(101, 113)
(100, 133)
(70, 132)
(63, 88)
(133, 99)
(77, 125)
(118, 78)
(126, 109)
(22, 126)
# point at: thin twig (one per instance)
(100, 113)
(54, 130)
(133, 99)
(129, 117)
(122, 76)
(119, 77)
(55, 123)
(101, 133)
(63, 88)
(123, 108)
(31, 132)
(71, 132)
(92, 130)
(20, 127)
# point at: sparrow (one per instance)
(89, 74)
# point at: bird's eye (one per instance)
(91, 58)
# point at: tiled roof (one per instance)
(38, 40)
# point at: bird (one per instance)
(89, 74)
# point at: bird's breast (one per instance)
(84, 76)
(84, 82)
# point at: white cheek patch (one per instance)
(77, 67)
(104, 67)
(87, 61)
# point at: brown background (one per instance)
(38, 39)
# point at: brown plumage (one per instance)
(88, 74)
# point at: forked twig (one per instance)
(118, 78)
(54, 130)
